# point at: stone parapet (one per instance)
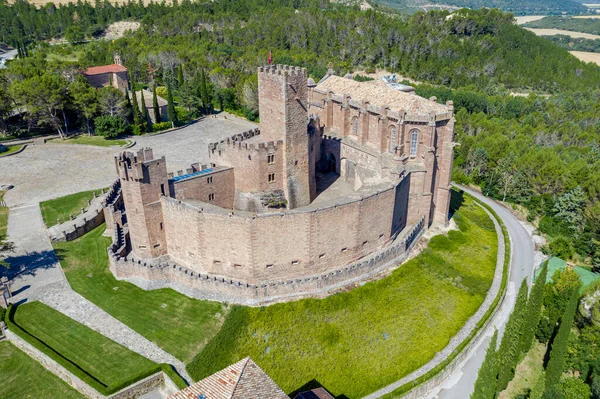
(163, 274)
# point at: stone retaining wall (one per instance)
(203, 286)
(85, 222)
(137, 389)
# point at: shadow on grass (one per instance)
(457, 199)
(310, 385)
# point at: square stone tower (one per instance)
(143, 181)
(283, 109)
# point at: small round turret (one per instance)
(310, 82)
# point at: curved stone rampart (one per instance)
(155, 275)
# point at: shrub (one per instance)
(562, 248)
(182, 114)
(110, 126)
(157, 127)
(574, 388)
(161, 91)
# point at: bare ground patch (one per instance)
(552, 32)
(587, 56)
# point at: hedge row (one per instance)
(399, 392)
(79, 371)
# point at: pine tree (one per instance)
(558, 353)
(534, 310)
(511, 341)
(171, 114)
(485, 386)
(155, 105)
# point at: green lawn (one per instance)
(178, 324)
(21, 377)
(101, 358)
(61, 208)
(92, 140)
(356, 342)
(11, 149)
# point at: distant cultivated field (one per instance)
(587, 57)
(528, 18)
(552, 32)
(586, 17)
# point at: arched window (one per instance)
(393, 139)
(355, 126)
(414, 140)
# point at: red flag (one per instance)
(270, 59)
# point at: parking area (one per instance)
(43, 172)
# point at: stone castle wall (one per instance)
(292, 244)
(156, 275)
(216, 187)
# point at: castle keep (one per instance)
(336, 185)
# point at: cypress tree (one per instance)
(136, 110)
(511, 341)
(558, 353)
(204, 93)
(485, 386)
(128, 104)
(145, 120)
(180, 76)
(534, 309)
(155, 105)
(171, 114)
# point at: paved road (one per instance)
(460, 384)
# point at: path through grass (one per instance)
(21, 377)
(61, 208)
(178, 324)
(356, 342)
(105, 360)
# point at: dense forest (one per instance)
(517, 7)
(585, 25)
(576, 44)
(539, 153)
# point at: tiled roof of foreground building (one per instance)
(242, 380)
(318, 393)
(379, 94)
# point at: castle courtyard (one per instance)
(43, 172)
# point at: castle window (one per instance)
(344, 249)
(237, 265)
(156, 245)
(321, 256)
(216, 263)
(365, 243)
(414, 140)
(393, 134)
(162, 189)
(270, 265)
(295, 262)
(142, 247)
(209, 180)
(355, 126)
(271, 177)
(211, 197)
(161, 225)
(381, 235)
(270, 159)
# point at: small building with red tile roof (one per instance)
(114, 75)
(242, 380)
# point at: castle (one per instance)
(335, 186)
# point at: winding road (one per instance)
(460, 384)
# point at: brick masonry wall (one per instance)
(281, 245)
(205, 286)
(221, 183)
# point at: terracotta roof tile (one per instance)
(242, 380)
(379, 94)
(99, 70)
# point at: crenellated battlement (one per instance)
(282, 70)
(237, 142)
(131, 165)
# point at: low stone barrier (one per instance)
(86, 221)
(137, 389)
(157, 275)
